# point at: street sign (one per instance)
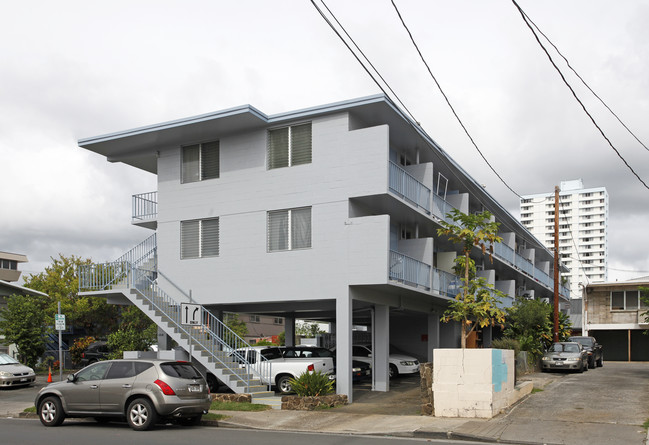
(190, 314)
(59, 322)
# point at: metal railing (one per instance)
(145, 206)
(408, 187)
(409, 270)
(441, 208)
(446, 283)
(115, 274)
(211, 336)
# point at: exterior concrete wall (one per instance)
(345, 164)
(472, 382)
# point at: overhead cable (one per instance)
(576, 97)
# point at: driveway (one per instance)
(601, 406)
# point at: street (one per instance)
(79, 432)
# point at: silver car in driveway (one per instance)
(565, 355)
(12, 373)
(142, 391)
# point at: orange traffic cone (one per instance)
(49, 376)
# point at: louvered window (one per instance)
(200, 162)
(289, 229)
(199, 238)
(289, 146)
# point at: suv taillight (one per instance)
(166, 389)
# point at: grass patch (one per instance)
(238, 406)
(212, 416)
(535, 390)
(645, 425)
(31, 409)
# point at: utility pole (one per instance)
(556, 263)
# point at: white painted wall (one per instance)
(345, 164)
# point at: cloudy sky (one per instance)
(75, 69)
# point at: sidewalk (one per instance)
(534, 420)
(542, 418)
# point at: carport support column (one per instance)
(344, 320)
(433, 335)
(381, 351)
(289, 330)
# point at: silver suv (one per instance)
(141, 390)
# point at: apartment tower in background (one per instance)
(583, 230)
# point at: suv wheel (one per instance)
(141, 414)
(50, 411)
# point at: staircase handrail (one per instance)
(224, 339)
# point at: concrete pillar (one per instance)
(433, 335)
(289, 330)
(381, 351)
(344, 346)
(164, 341)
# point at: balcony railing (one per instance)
(145, 206)
(408, 187)
(441, 208)
(446, 283)
(409, 270)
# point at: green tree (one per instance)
(237, 326)
(531, 322)
(131, 339)
(644, 297)
(308, 330)
(477, 303)
(24, 323)
(60, 282)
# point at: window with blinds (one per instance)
(289, 146)
(199, 238)
(200, 162)
(289, 229)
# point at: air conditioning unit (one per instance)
(545, 300)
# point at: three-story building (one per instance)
(328, 213)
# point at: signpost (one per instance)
(59, 324)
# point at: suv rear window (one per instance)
(182, 370)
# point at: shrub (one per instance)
(312, 384)
(77, 348)
(507, 343)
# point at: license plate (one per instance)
(194, 388)
(558, 363)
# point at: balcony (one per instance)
(145, 210)
(410, 271)
(409, 188)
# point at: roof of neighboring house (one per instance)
(635, 282)
(17, 257)
(7, 289)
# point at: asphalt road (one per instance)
(80, 432)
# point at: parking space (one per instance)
(402, 399)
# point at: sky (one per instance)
(76, 69)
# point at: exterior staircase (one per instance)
(208, 340)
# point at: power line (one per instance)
(439, 87)
(575, 95)
(362, 53)
(411, 121)
(584, 82)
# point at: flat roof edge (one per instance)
(242, 109)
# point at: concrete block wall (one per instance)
(472, 382)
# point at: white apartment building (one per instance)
(327, 214)
(583, 230)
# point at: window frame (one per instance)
(625, 295)
(290, 161)
(290, 230)
(200, 166)
(202, 243)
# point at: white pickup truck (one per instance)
(286, 363)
